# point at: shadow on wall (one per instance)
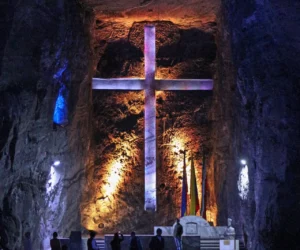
(180, 53)
(118, 58)
(193, 45)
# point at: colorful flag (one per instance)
(184, 190)
(194, 207)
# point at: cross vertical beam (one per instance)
(149, 85)
(150, 119)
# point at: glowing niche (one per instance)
(60, 115)
(243, 182)
(150, 85)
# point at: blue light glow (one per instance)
(61, 70)
(60, 115)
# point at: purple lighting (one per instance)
(150, 120)
(149, 85)
(118, 83)
(184, 84)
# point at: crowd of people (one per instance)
(157, 242)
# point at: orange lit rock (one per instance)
(190, 13)
(185, 49)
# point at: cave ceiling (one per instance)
(186, 13)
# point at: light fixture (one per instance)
(244, 162)
(56, 163)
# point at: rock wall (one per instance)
(256, 113)
(45, 49)
(44, 45)
(114, 197)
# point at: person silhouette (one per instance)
(135, 242)
(178, 231)
(157, 242)
(116, 241)
(55, 243)
(91, 243)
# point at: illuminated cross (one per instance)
(149, 85)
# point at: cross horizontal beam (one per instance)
(118, 83)
(139, 84)
(184, 84)
(150, 85)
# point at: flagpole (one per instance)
(194, 204)
(203, 183)
(184, 189)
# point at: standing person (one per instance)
(55, 243)
(135, 242)
(27, 241)
(91, 243)
(116, 241)
(178, 231)
(157, 242)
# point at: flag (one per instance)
(194, 207)
(184, 190)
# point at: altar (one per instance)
(197, 234)
(194, 226)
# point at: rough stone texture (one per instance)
(117, 15)
(255, 113)
(119, 142)
(115, 182)
(43, 45)
(257, 118)
(181, 53)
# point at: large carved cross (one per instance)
(149, 85)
